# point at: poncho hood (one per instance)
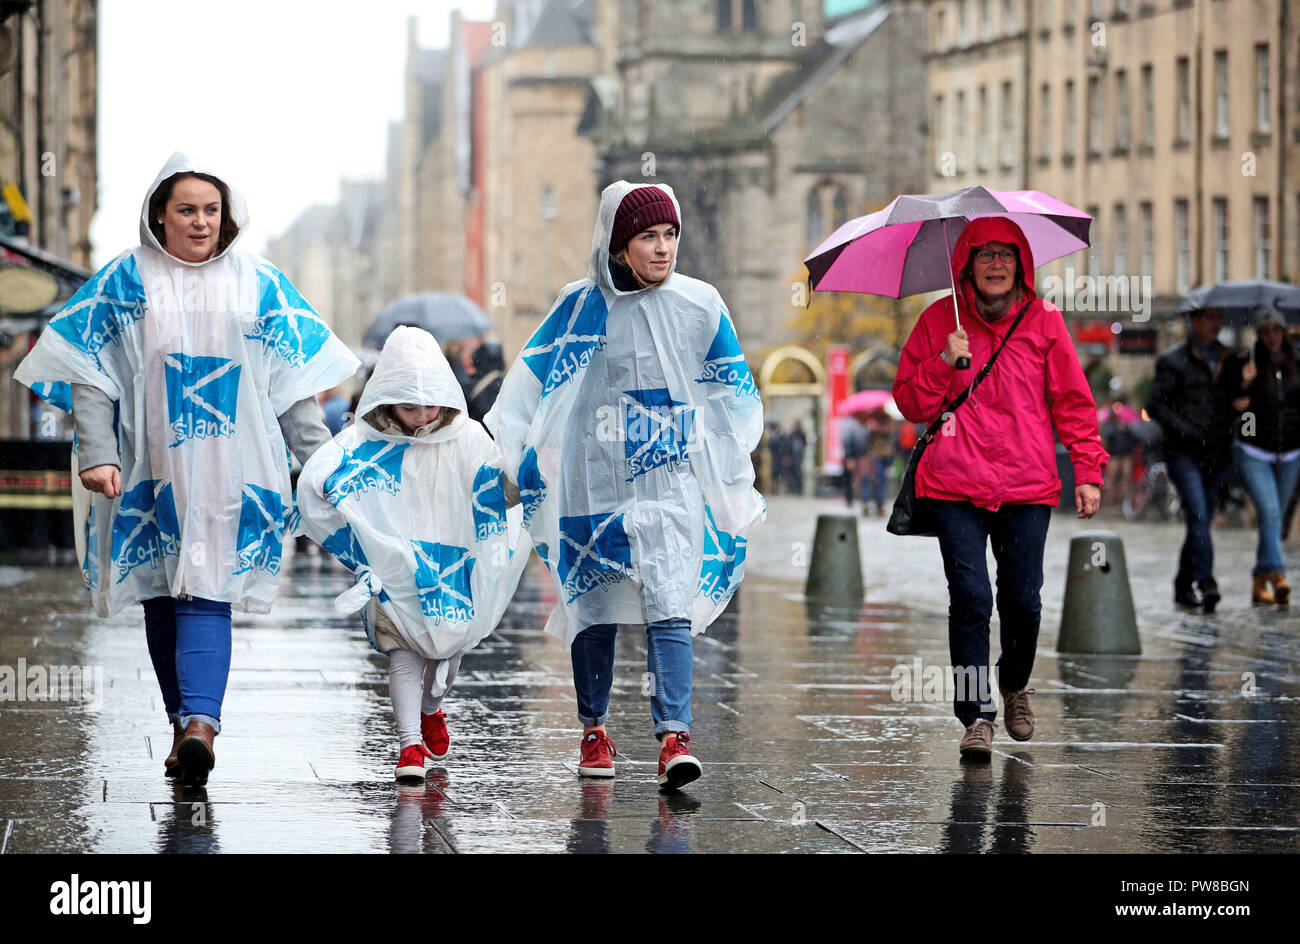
(412, 369)
(610, 199)
(180, 163)
(990, 229)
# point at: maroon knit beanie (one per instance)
(641, 208)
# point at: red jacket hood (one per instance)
(988, 229)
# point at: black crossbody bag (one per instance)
(917, 516)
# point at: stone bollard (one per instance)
(835, 570)
(1097, 616)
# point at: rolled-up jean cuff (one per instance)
(593, 722)
(670, 727)
(206, 719)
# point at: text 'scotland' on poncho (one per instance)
(421, 520)
(201, 359)
(628, 421)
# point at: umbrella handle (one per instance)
(963, 363)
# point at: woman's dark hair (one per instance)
(1287, 353)
(158, 204)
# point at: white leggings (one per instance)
(411, 682)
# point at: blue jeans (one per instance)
(189, 644)
(1270, 486)
(668, 673)
(1199, 484)
(1018, 534)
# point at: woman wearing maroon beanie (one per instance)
(628, 421)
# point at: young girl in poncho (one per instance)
(412, 499)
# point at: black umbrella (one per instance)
(1242, 301)
(446, 316)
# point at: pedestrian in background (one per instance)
(628, 421)
(1265, 386)
(188, 365)
(992, 471)
(1191, 403)
(1120, 441)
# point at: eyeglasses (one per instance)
(986, 256)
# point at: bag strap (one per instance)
(483, 383)
(933, 429)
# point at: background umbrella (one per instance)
(1242, 300)
(446, 316)
(864, 401)
(906, 248)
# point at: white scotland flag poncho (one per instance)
(628, 421)
(201, 359)
(420, 519)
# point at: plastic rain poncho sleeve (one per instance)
(420, 519)
(200, 358)
(628, 421)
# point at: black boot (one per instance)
(1209, 593)
(1185, 594)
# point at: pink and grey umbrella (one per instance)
(906, 248)
(864, 401)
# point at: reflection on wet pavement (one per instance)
(1186, 748)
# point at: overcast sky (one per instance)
(283, 96)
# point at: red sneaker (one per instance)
(597, 755)
(676, 765)
(433, 728)
(410, 765)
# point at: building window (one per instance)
(1070, 119)
(827, 201)
(1046, 13)
(1183, 244)
(1121, 7)
(549, 209)
(1220, 215)
(1096, 13)
(816, 220)
(1221, 93)
(1263, 239)
(963, 20)
(939, 134)
(840, 207)
(1183, 72)
(986, 20)
(724, 16)
(1094, 114)
(1148, 106)
(941, 29)
(1094, 253)
(982, 141)
(1008, 15)
(1147, 236)
(749, 16)
(1120, 229)
(1008, 136)
(1121, 110)
(961, 130)
(1045, 120)
(1263, 120)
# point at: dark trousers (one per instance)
(1018, 534)
(1199, 483)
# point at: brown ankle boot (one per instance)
(172, 764)
(1260, 595)
(196, 753)
(1281, 592)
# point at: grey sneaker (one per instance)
(978, 742)
(1017, 714)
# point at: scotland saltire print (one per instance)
(57, 394)
(344, 546)
(655, 430)
(202, 396)
(373, 465)
(489, 502)
(532, 490)
(287, 325)
(724, 363)
(261, 530)
(442, 574)
(594, 552)
(724, 560)
(103, 308)
(145, 529)
(567, 339)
